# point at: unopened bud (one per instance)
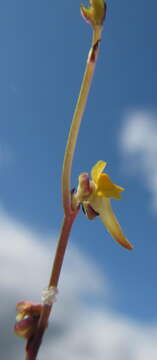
(26, 327)
(27, 318)
(95, 13)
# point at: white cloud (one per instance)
(98, 335)
(78, 330)
(138, 142)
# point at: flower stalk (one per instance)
(95, 15)
(77, 117)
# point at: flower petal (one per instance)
(106, 188)
(97, 169)
(103, 207)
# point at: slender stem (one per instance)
(35, 342)
(61, 247)
(76, 121)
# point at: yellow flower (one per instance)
(98, 202)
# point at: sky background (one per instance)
(107, 296)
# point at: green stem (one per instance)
(76, 121)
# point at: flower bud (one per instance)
(95, 13)
(26, 327)
(27, 318)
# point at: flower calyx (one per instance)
(89, 211)
(84, 190)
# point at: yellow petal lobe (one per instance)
(97, 169)
(106, 188)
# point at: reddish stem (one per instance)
(34, 342)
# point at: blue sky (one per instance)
(44, 45)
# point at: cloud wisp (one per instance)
(138, 143)
(78, 329)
